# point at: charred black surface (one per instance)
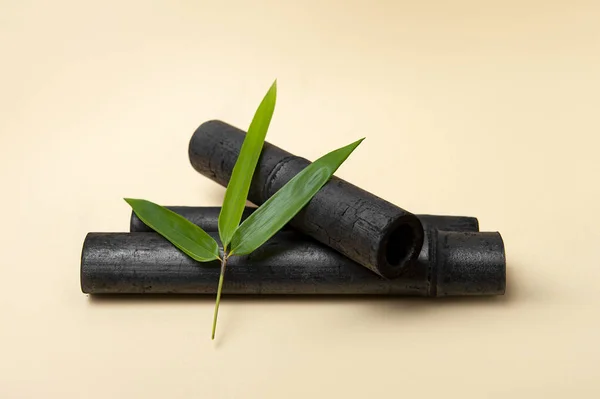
(462, 262)
(289, 263)
(369, 230)
(468, 263)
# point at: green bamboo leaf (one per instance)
(182, 233)
(271, 216)
(241, 177)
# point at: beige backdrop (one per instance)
(479, 108)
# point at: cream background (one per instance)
(488, 109)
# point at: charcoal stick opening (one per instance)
(397, 246)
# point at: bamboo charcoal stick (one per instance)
(467, 263)
(369, 230)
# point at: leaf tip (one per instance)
(273, 89)
(356, 143)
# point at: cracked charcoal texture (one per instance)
(290, 263)
(341, 215)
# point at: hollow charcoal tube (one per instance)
(369, 230)
(288, 264)
(207, 217)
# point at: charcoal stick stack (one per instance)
(455, 260)
(365, 228)
(345, 241)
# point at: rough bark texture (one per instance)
(367, 229)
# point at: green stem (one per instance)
(221, 277)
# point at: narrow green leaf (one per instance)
(182, 233)
(271, 216)
(241, 177)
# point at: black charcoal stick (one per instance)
(368, 229)
(456, 262)
(289, 264)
